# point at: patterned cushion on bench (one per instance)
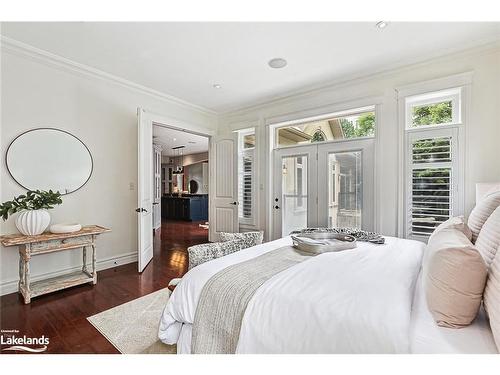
(199, 254)
(249, 238)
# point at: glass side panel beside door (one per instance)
(294, 193)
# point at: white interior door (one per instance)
(224, 186)
(295, 189)
(145, 189)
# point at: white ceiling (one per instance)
(165, 137)
(186, 59)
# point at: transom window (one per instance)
(355, 123)
(436, 108)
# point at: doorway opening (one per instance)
(180, 193)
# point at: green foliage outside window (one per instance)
(318, 136)
(439, 113)
(363, 127)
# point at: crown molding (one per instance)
(28, 51)
(25, 50)
(488, 46)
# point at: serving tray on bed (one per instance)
(323, 242)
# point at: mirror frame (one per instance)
(59, 130)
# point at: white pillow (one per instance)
(482, 212)
(492, 298)
(488, 240)
(457, 222)
(454, 278)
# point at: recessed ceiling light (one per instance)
(381, 24)
(175, 139)
(277, 63)
(216, 86)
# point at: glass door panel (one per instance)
(345, 195)
(345, 185)
(295, 191)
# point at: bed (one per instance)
(365, 300)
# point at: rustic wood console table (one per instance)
(46, 243)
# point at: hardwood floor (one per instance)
(61, 316)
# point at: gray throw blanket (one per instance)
(225, 296)
(358, 234)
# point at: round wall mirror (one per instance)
(49, 159)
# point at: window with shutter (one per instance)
(246, 176)
(431, 184)
(245, 190)
(433, 190)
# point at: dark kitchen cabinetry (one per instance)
(189, 208)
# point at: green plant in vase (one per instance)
(33, 208)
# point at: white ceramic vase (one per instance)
(33, 222)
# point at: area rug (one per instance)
(132, 327)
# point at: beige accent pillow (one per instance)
(454, 276)
(488, 240)
(492, 298)
(457, 222)
(482, 212)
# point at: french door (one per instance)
(324, 185)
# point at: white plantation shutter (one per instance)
(246, 185)
(431, 180)
(246, 177)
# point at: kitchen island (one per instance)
(188, 207)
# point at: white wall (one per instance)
(35, 92)
(482, 133)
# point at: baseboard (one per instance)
(11, 286)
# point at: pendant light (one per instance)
(178, 160)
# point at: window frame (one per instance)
(434, 97)
(461, 81)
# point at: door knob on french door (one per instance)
(140, 209)
(234, 203)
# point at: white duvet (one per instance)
(353, 301)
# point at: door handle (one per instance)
(155, 203)
(234, 203)
(277, 207)
(140, 209)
